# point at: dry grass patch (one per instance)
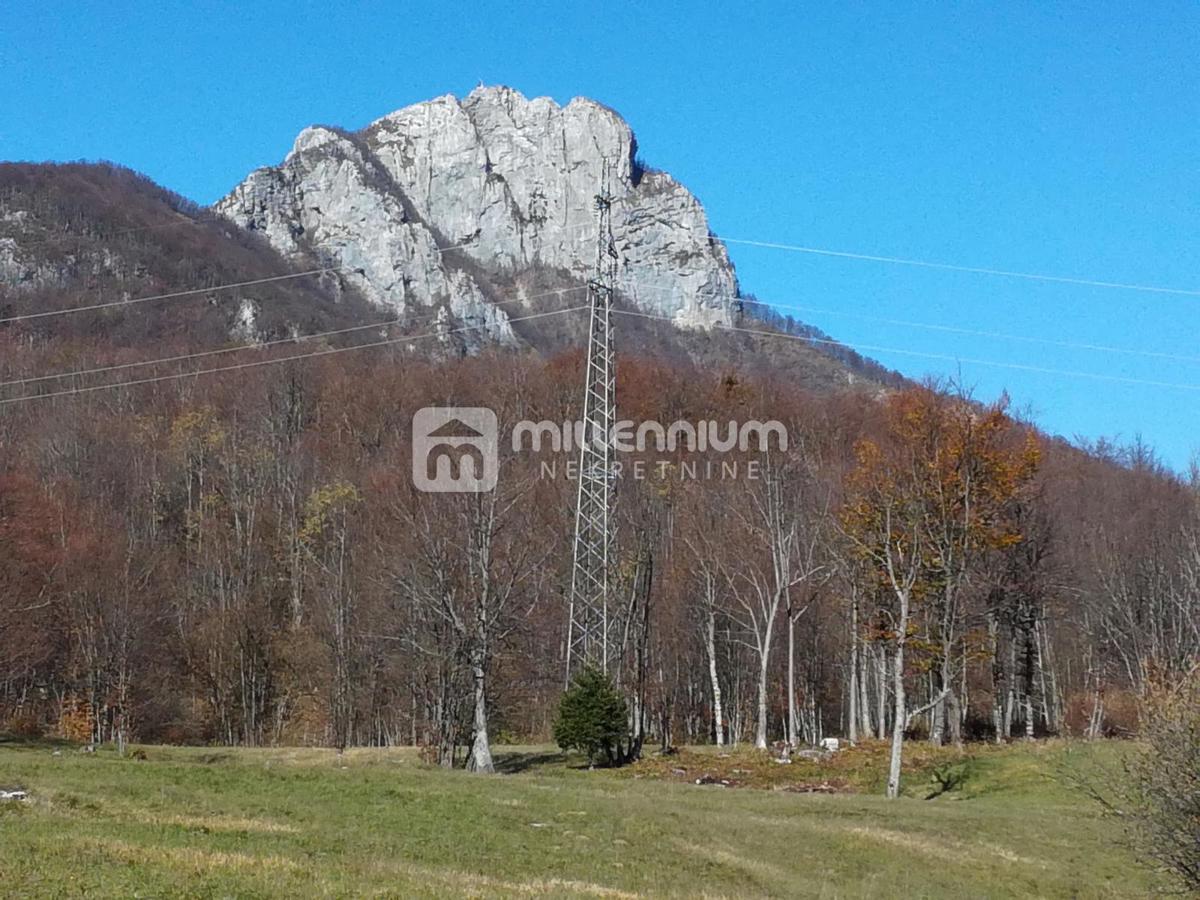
(193, 859)
(951, 851)
(210, 823)
(473, 882)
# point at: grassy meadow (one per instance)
(213, 822)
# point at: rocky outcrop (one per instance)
(508, 184)
(22, 270)
(331, 204)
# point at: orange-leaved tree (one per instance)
(925, 501)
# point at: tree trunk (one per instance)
(900, 708)
(1010, 699)
(853, 687)
(1029, 678)
(951, 707)
(997, 678)
(865, 724)
(791, 679)
(1096, 722)
(1049, 686)
(447, 738)
(481, 750)
(737, 708)
(937, 715)
(900, 714)
(760, 726)
(710, 641)
(881, 699)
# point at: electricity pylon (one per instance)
(589, 614)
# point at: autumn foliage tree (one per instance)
(925, 503)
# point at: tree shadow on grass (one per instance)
(947, 778)
(20, 742)
(516, 762)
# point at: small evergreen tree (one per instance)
(593, 718)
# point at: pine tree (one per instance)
(593, 718)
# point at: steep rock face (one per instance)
(330, 203)
(23, 270)
(507, 182)
(18, 273)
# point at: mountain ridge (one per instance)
(345, 201)
(510, 182)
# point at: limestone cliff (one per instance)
(509, 183)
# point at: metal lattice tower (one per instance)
(590, 612)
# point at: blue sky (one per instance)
(1038, 137)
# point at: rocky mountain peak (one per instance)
(505, 182)
(315, 136)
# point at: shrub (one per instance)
(593, 719)
(1161, 799)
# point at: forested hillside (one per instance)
(242, 558)
(209, 532)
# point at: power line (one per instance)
(951, 329)
(282, 359)
(945, 358)
(219, 222)
(644, 315)
(174, 294)
(926, 264)
(757, 243)
(79, 373)
(68, 236)
(195, 291)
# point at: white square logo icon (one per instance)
(455, 449)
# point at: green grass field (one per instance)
(214, 822)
